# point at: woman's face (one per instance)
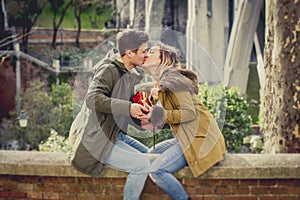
(153, 59)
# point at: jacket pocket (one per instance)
(95, 124)
(200, 136)
(102, 119)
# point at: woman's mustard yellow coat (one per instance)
(193, 125)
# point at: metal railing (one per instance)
(47, 66)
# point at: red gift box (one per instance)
(141, 98)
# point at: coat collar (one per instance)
(176, 79)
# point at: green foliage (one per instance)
(230, 110)
(146, 137)
(47, 110)
(24, 12)
(52, 79)
(38, 106)
(92, 17)
(253, 97)
(64, 107)
(101, 10)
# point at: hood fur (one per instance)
(176, 79)
(111, 57)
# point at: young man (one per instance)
(98, 133)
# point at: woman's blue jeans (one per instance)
(162, 168)
(126, 157)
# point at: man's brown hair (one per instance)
(131, 40)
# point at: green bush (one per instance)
(146, 137)
(47, 110)
(230, 110)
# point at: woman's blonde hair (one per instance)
(169, 57)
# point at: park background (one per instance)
(98, 22)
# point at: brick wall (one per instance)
(36, 175)
(48, 187)
(44, 35)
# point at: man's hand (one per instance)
(136, 110)
(147, 116)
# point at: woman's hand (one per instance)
(154, 93)
(145, 124)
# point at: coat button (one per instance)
(192, 163)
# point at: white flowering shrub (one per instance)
(54, 143)
(254, 143)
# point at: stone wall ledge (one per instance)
(234, 166)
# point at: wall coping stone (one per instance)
(234, 166)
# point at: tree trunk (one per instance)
(281, 107)
(78, 19)
(78, 33)
(53, 44)
(56, 25)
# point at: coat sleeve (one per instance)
(99, 98)
(179, 107)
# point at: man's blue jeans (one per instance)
(170, 160)
(127, 158)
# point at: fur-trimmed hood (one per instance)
(176, 79)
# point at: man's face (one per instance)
(139, 57)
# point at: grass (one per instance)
(45, 19)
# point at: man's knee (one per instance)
(142, 166)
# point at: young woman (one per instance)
(197, 142)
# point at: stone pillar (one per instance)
(236, 69)
(207, 32)
(123, 13)
(155, 13)
(18, 76)
(131, 12)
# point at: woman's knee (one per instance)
(156, 174)
(155, 169)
